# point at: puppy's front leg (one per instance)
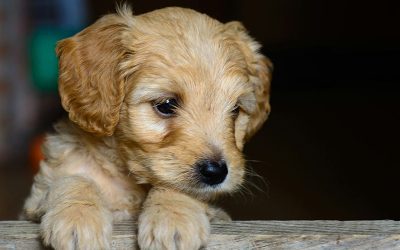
(172, 220)
(76, 217)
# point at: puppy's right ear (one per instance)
(260, 72)
(91, 83)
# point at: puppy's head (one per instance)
(179, 91)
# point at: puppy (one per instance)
(160, 106)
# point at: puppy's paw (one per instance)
(77, 226)
(173, 224)
(170, 230)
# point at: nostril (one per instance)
(212, 172)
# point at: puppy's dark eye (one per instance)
(235, 111)
(166, 108)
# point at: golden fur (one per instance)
(119, 158)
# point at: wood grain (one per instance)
(244, 235)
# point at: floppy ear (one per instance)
(261, 82)
(90, 82)
(260, 70)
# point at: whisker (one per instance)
(256, 161)
(255, 182)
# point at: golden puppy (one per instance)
(160, 106)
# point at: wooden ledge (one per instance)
(245, 235)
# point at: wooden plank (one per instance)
(245, 235)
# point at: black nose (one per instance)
(212, 172)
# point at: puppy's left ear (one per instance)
(260, 70)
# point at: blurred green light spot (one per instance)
(42, 57)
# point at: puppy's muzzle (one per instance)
(212, 172)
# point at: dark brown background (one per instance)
(330, 147)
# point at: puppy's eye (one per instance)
(167, 107)
(235, 111)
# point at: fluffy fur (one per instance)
(116, 158)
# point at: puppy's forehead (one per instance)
(188, 52)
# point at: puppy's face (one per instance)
(180, 92)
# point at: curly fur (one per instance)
(116, 158)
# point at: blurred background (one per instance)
(330, 149)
